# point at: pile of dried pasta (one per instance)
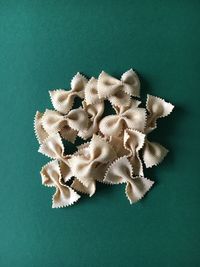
(116, 147)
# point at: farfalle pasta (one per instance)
(121, 171)
(51, 177)
(68, 125)
(118, 92)
(130, 116)
(115, 148)
(63, 100)
(89, 165)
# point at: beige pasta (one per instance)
(116, 148)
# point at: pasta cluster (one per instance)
(116, 148)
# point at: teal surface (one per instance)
(42, 45)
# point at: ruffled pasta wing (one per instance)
(153, 153)
(136, 189)
(91, 93)
(157, 108)
(135, 118)
(78, 119)
(53, 121)
(40, 132)
(131, 83)
(107, 85)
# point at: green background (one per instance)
(42, 45)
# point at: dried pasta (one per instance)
(115, 148)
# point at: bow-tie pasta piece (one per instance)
(54, 122)
(153, 153)
(128, 117)
(69, 125)
(112, 89)
(53, 148)
(88, 166)
(40, 132)
(134, 142)
(63, 100)
(118, 92)
(108, 85)
(51, 177)
(121, 172)
(94, 113)
(157, 108)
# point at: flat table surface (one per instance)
(42, 45)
